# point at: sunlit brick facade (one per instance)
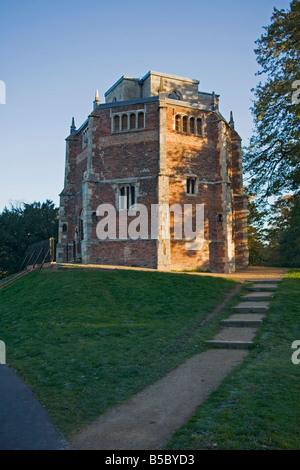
(156, 140)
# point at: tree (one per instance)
(256, 231)
(289, 242)
(283, 233)
(272, 159)
(21, 226)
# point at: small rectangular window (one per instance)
(191, 185)
(127, 196)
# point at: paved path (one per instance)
(148, 420)
(24, 423)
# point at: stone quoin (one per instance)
(156, 140)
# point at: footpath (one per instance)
(148, 419)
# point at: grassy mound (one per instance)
(88, 340)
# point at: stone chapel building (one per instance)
(158, 141)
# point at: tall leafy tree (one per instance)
(273, 157)
(256, 231)
(283, 232)
(21, 226)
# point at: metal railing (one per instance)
(39, 253)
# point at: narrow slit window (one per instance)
(123, 203)
(184, 123)
(81, 230)
(128, 196)
(132, 190)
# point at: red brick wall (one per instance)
(190, 154)
(135, 154)
(128, 154)
(140, 253)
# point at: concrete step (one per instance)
(244, 319)
(257, 296)
(234, 337)
(230, 344)
(262, 287)
(251, 307)
(267, 281)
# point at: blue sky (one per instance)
(53, 55)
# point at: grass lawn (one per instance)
(5, 279)
(257, 406)
(85, 341)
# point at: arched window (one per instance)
(192, 125)
(184, 123)
(116, 123)
(141, 121)
(199, 126)
(177, 122)
(132, 121)
(124, 122)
